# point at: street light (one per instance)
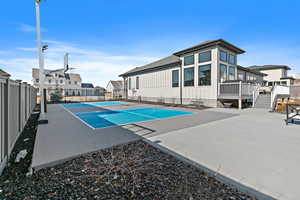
(41, 49)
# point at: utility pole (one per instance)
(41, 57)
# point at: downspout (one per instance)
(180, 85)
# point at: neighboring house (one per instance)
(69, 83)
(202, 73)
(4, 73)
(297, 78)
(100, 90)
(115, 88)
(276, 74)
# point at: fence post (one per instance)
(19, 105)
(6, 117)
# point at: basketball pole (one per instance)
(41, 58)
(40, 55)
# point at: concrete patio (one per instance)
(255, 148)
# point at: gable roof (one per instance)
(211, 43)
(4, 73)
(87, 85)
(164, 62)
(250, 70)
(117, 84)
(269, 67)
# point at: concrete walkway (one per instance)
(255, 148)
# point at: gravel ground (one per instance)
(130, 171)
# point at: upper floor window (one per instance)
(232, 59)
(231, 73)
(75, 82)
(189, 76)
(205, 56)
(223, 73)
(70, 82)
(49, 81)
(223, 56)
(137, 83)
(56, 81)
(37, 80)
(188, 60)
(129, 84)
(175, 78)
(61, 81)
(204, 75)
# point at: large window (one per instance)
(223, 73)
(232, 59)
(137, 83)
(129, 84)
(231, 73)
(205, 56)
(189, 76)
(223, 56)
(204, 75)
(175, 78)
(188, 60)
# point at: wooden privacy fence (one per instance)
(17, 101)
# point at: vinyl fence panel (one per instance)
(17, 101)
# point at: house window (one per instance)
(270, 83)
(70, 82)
(129, 84)
(284, 83)
(231, 73)
(189, 76)
(204, 75)
(75, 82)
(56, 81)
(223, 56)
(137, 83)
(61, 81)
(223, 73)
(175, 78)
(205, 56)
(37, 80)
(49, 81)
(188, 60)
(232, 59)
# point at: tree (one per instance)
(56, 96)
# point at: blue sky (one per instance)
(105, 38)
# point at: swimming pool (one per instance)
(111, 118)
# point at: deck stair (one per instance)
(263, 101)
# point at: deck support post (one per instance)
(240, 95)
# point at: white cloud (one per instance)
(28, 28)
(94, 66)
(258, 54)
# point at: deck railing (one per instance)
(17, 100)
(237, 89)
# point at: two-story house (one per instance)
(67, 82)
(276, 74)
